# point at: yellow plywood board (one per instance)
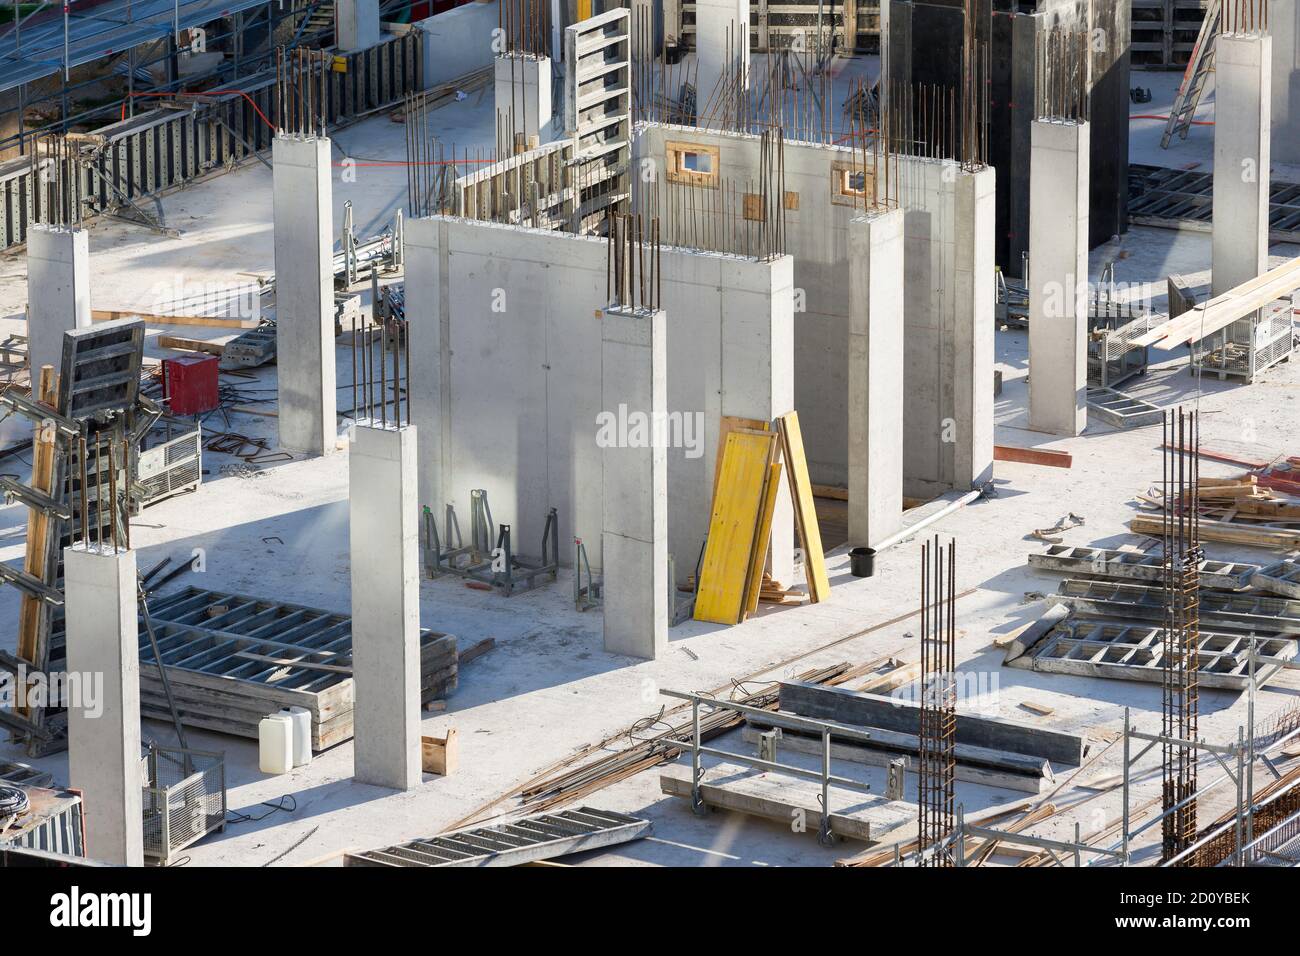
(737, 509)
(805, 510)
(726, 426)
(762, 539)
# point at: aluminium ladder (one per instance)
(1199, 66)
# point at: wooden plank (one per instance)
(720, 597)
(1033, 456)
(206, 321)
(762, 539)
(1223, 531)
(36, 560)
(854, 815)
(805, 509)
(191, 345)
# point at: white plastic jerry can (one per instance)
(275, 744)
(301, 718)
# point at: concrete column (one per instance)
(634, 522)
(104, 743)
(523, 96)
(1242, 78)
(758, 372)
(717, 22)
(428, 317)
(1058, 277)
(384, 520)
(58, 291)
(875, 403)
(948, 316)
(1284, 28)
(972, 330)
(304, 293)
(356, 24)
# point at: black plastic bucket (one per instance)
(862, 562)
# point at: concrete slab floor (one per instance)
(548, 689)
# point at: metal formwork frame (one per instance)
(483, 560)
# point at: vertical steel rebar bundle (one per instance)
(719, 214)
(300, 90)
(525, 26)
(379, 369)
(936, 764)
(870, 139)
(430, 176)
(1244, 17)
(1181, 657)
(1061, 75)
(632, 278)
(57, 181)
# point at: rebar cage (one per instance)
(184, 799)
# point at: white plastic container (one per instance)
(275, 744)
(301, 718)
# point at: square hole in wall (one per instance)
(851, 184)
(693, 164)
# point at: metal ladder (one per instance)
(1199, 66)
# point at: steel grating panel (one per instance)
(513, 842)
(1088, 648)
(1136, 566)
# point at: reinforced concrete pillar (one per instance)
(758, 373)
(1284, 29)
(304, 293)
(1242, 78)
(104, 735)
(428, 324)
(1058, 276)
(356, 24)
(948, 316)
(58, 291)
(634, 510)
(876, 396)
(383, 530)
(721, 43)
(523, 100)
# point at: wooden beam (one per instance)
(1033, 456)
(208, 321)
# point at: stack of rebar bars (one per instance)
(937, 764)
(1181, 655)
(300, 90)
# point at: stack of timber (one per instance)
(746, 482)
(233, 659)
(1232, 511)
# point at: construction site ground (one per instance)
(548, 689)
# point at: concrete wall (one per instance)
(506, 341)
(458, 42)
(1284, 28)
(1241, 160)
(817, 237)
